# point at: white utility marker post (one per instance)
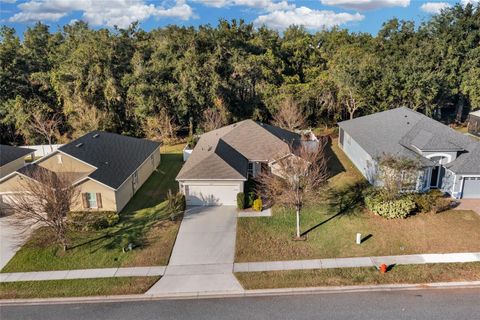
(359, 238)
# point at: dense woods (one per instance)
(56, 86)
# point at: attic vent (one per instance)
(78, 145)
(96, 135)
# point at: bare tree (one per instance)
(44, 198)
(161, 127)
(289, 115)
(295, 179)
(351, 104)
(45, 126)
(215, 117)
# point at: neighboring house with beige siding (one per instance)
(108, 169)
(12, 158)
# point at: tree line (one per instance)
(55, 86)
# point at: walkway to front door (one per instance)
(203, 255)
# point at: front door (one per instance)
(434, 180)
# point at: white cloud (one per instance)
(268, 5)
(434, 7)
(366, 4)
(100, 12)
(310, 19)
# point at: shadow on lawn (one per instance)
(335, 167)
(343, 202)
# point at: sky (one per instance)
(314, 15)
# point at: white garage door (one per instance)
(211, 195)
(471, 187)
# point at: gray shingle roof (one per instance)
(403, 131)
(9, 153)
(224, 153)
(115, 156)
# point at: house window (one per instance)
(91, 199)
(59, 159)
(250, 168)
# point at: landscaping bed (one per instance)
(76, 287)
(402, 274)
(144, 221)
(331, 226)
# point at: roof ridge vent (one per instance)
(96, 135)
(78, 145)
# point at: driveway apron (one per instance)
(203, 255)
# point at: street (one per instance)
(417, 304)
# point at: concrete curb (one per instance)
(246, 293)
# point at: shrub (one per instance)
(390, 209)
(250, 199)
(257, 204)
(432, 201)
(92, 220)
(240, 200)
(176, 204)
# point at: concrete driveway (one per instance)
(469, 204)
(206, 236)
(203, 255)
(11, 240)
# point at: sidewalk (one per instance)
(181, 278)
(83, 274)
(356, 262)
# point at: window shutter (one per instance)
(99, 200)
(84, 200)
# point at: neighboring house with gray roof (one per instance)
(12, 158)
(223, 159)
(474, 123)
(107, 168)
(450, 160)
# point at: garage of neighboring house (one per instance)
(210, 193)
(471, 188)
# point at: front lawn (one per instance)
(76, 287)
(144, 220)
(407, 274)
(331, 226)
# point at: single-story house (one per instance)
(223, 159)
(12, 158)
(107, 168)
(450, 160)
(474, 123)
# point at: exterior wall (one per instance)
(126, 191)
(12, 184)
(474, 125)
(108, 196)
(11, 166)
(360, 158)
(182, 184)
(69, 164)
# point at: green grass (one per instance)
(402, 274)
(75, 288)
(144, 219)
(331, 225)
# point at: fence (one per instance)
(43, 149)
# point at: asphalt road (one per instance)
(420, 304)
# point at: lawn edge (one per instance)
(246, 293)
